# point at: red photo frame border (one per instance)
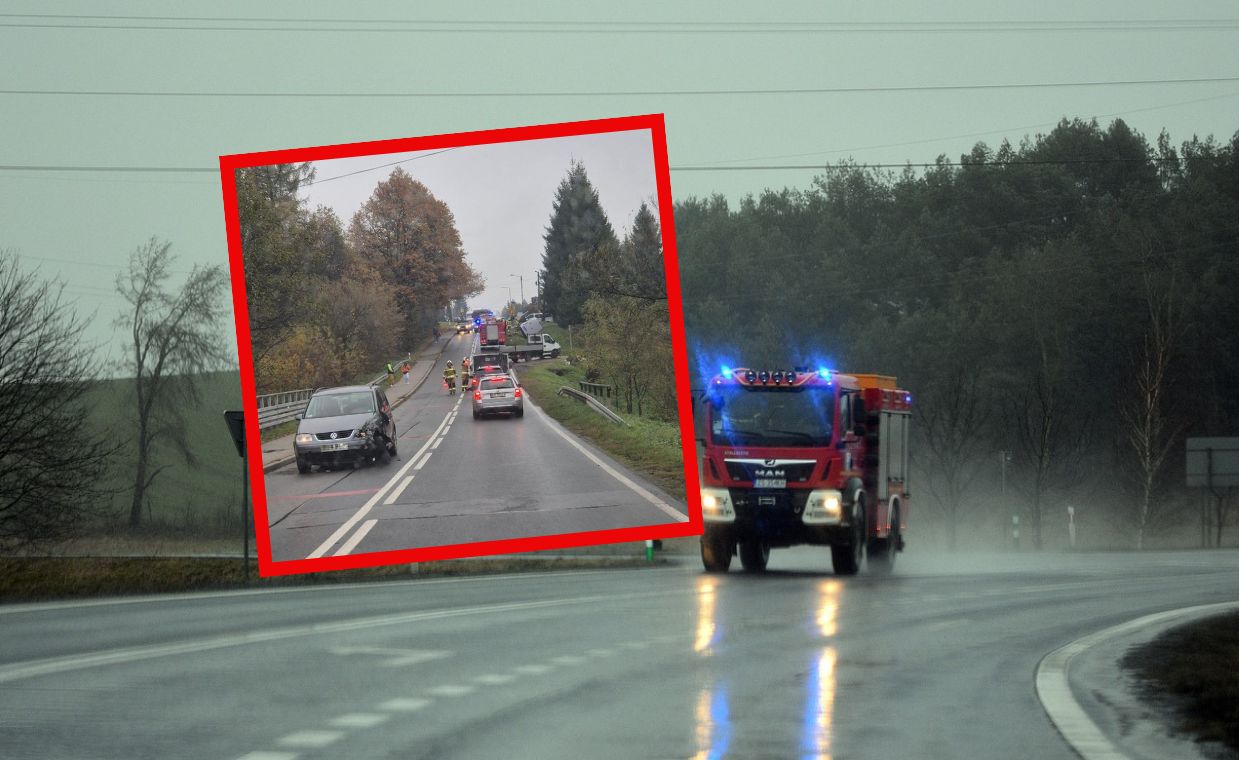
(228, 164)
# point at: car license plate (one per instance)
(336, 447)
(499, 395)
(770, 483)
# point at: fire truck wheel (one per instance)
(715, 552)
(754, 555)
(846, 558)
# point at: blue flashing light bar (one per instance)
(726, 372)
(824, 373)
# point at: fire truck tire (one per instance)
(715, 552)
(882, 551)
(754, 555)
(846, 558)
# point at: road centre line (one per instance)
(348, 524)
(269, 756)
(433, 446)
(356, 538)
(651, 498)
(422, 463)
(495, 679)
(34, 668)
(399, 490)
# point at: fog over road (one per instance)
(460, 480)
(937, 660)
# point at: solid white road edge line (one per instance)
(331, 541)
(356, 538)
(35, 607)
(34, 668)
(1054, 688)
(651, 498)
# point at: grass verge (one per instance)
(1196, 667)
(649, 447)
(27, 579)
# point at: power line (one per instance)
(946, 164)
(373, 168)
(506, 26)
(619, 93)
(987, 133)
(58, 168)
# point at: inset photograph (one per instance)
(461, 345)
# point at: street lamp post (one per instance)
(522, 279)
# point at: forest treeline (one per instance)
(328, 303)
(1065, 311)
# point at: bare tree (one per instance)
(951, 416)
(51, 458)
(1146, 412)
(174, 336)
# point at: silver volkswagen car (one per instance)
(342, 426)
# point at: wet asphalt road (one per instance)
(935, 661)
(467, 480)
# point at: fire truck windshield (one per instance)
(774, 418)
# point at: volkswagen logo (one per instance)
(333, 435)
(771, 462)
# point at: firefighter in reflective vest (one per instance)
(449, 378)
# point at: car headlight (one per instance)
(824, 507)
(716, 505)
(305, 438)
(361, 433)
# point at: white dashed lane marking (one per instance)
(269, 756)
(534, 670)
(359, 720)
(568, 659)
(356, 538)
(399, 490)
(495, 679)
(404, 704)
(312, 739)
(451, 690)
(600, 652)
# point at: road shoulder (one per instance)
(1097, 705)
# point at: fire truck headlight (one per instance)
(716, 505)
(823, 508)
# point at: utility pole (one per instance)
(1004, 458)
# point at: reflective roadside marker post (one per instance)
(1071, 526)
(649, 550)
(1015, 531)
(236, 426)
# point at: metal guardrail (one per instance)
(597, 390)
(593, 403)
(278, 408)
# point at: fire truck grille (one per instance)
(747, 473)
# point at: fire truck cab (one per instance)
(804, 456)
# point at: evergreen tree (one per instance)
(578, 229)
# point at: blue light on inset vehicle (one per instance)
(908, 398)
(726, 372)
(824, 373)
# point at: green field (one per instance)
(203, 498)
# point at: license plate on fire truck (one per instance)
(770, 483)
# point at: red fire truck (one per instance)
(492, 332)
(804, 456)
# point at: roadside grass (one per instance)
(1195, 667)
(26, 579)
(649, 447)
(279, 431)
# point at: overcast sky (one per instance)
(502, 195)
(714, 68)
